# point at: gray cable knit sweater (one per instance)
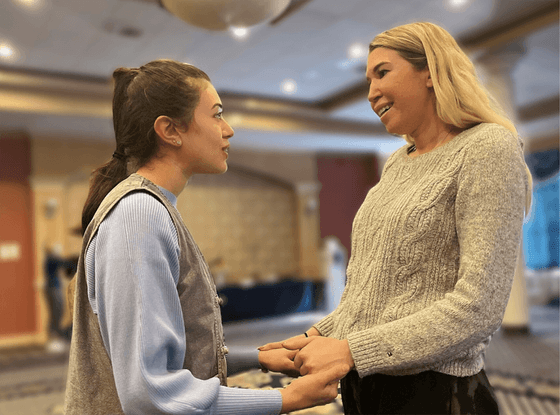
(434, 250)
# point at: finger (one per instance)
(292, 354)
(334, 373)
(297, 343)
(270, 346)
(298, 362)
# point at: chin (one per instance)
(220, 169)
(395, 130)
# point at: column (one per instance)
(496, 66)
(307, 194)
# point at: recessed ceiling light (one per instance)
(239, 32)
(7, 51)
(30, 5)
(289, 86)
(357, 51)
(457, 5)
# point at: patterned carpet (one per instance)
(524, 371)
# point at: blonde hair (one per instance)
(461, 100)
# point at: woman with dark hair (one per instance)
(147, 334)
(435, 243)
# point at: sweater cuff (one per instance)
(370, 353)
(237, 401)
(325, 327)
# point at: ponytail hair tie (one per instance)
(119, 156)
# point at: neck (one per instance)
(164, 174)
(433, 137)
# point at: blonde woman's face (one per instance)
(400, 95)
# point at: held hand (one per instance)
(278, 345)
(312, 390)
(279, 360)
(319, 353)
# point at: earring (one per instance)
(178, 142)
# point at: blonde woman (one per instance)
(434, 245)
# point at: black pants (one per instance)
(430, 393)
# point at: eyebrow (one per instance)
(218, 105)
(375, 69)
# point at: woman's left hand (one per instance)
(319, 353)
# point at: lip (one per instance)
(226, 150)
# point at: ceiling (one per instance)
(57, 80)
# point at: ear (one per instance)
(167, 130)
(429, 82)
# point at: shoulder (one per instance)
(488, 141)
(399, 154)
(493, 152)
(140, 209)
(489, 134)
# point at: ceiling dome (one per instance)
(224, 14)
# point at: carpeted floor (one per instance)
(524, 370)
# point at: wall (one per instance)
(345, 181)
(245, 224)
(259, 218)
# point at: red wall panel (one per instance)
(345, 181)
(17, 295)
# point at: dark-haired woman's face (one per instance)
(399, 94)
(206, 141)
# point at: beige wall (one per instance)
(256, 218)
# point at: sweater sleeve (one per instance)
(132, 269)
(489, 209)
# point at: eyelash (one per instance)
(219, 114)
(382, 73)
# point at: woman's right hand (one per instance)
(312, 390)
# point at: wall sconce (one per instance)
(225, 14)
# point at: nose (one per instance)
(227, 132)
(373, 94)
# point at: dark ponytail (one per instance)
(141, 95)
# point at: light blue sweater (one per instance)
(141, 321)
